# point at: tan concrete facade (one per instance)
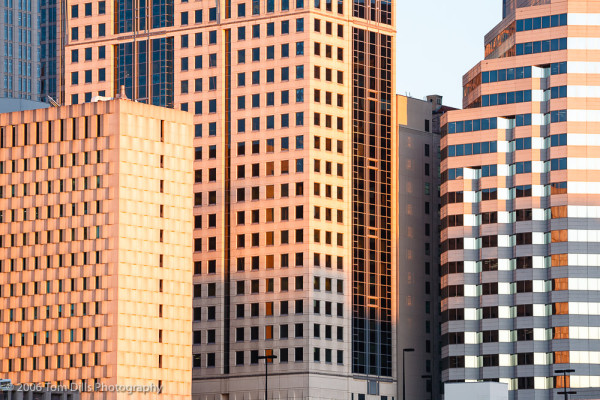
(271, 86)
(418, 254)
(96, 257)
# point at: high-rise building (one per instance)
(520, 201)
(19, 58)
(95, 249)
(294, 125)
(418, 249)
(52, 35)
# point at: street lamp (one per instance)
(404, 351)
(268, 358)
(564, 372)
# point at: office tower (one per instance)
(519, 193)
(95, 248)
(293, 104)
(418, 249)
(19, 59)
(52, 57)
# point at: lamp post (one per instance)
(268, 358)
(404, 351)
(564, 372)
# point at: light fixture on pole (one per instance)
(404, 351)
(268, 358)
(564, 372)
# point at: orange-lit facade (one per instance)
(520, 206)
(294, 136)
(96, 256)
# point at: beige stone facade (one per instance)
(293, 177)
(96, 256)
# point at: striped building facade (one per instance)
(520, 195)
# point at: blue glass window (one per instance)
(558, 140)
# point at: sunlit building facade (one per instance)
(293, 198)
(96, 250)
(520, 251)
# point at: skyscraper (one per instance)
(95, 250)
(294, 194)
(520, 202)
(418, 248)
(19, 58)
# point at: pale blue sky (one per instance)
(438, 41)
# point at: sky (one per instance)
(438, 41)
